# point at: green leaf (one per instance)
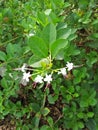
(38, 47)
(93, 44)
(42, 18)
(80, 115)
(57, 46)
(53, 18)
(35, 107)
(46, 127)
(75, 127)
(76, 95)
(79, 74)
(86, 18)
(71, 89)
(52, 99)
(80, 125)
(61, 26)
(10, 50)
(72, 37)
(4, 83)
(91, 124)
(25, 127)
(63, 90)
(45, 111)
(48, 11)
(83, 3)
(50, 121)
(2, 56)
(90, 114)
(92, 58)
(67, 4)
(33, 59)
(64, 33)
(68, 97)
(36, 63)
(94, 35)
(95, 22)
(37, 119)
(92, 102)
(49, 34)
(60, 55)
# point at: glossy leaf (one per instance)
(2, 56)
(49, 34)
(91, 124)
(57, 46)
(38, 47)
(45, 111)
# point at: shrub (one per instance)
(48, 64)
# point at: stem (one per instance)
(44, 101)
(9, 41)
(38, 115)
(77, 66)
(69, 92)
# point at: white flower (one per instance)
(62, 71)
(48, 78)
(26, 76)
(69, 66)
(23, 67)
(38, 79)
(2, 71)
(31, 34)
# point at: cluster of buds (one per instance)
(41, 78)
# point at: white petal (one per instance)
(62, 71)
(23, 67)
(23, 82)
(69, 66)
(26, 76)
(48, 78)
(38, 79)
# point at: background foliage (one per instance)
(68, 29)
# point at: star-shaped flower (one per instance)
(62, 71)
(26, 76)
(38, 79)
(69, 66)
(48, 78)
(23, 68)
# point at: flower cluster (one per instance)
(63, 71)
(41, 78)
(38, 79)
